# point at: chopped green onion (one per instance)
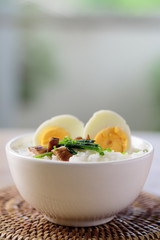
(101, 153)
(54, 147)
(109, 150)
(145, 150)
(43, 155)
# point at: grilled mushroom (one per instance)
(78, 138)
(53, 141)
(62, 153)
(37, 149)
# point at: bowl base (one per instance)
(81, 223)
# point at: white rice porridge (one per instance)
(90, 155)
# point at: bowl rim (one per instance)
(48, 161)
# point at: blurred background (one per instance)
(77, 57)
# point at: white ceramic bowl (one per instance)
(78, 194)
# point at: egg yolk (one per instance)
(48, 132)
(112, 137)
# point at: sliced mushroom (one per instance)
(53, 141)
(62, 153)
(88, 137)
(37, 149)
(78, 138)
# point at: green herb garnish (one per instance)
(145, 150)
(124, 153)
(80, 144)
(43, 154)
(71, 151)
(108, 150)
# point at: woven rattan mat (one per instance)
(19, 221)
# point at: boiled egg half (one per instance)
(59, 126)
(109, 130)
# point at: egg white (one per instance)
(103, 119)
(72, 124)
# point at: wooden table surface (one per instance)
(152, 184)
